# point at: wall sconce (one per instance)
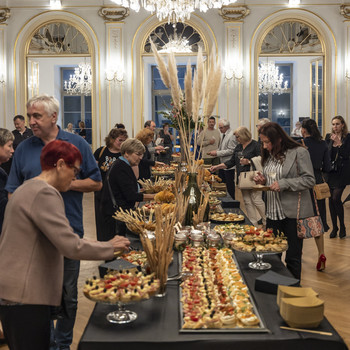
(347, 74)
(115, 74)
(55, 4)
(233, 72)
(293, 3)
(2, 79)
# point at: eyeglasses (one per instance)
(76, 169)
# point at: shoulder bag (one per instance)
(322, 190)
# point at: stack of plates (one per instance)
(300, 307)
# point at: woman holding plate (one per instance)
(288, 171)
(246, 149)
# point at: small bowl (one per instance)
(292, 292)
(302, 312)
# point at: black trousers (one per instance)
(26, 326)
(228, 177)
(295, 244)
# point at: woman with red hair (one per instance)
(36, 236)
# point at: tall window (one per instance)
(76, 108)
(278, 108)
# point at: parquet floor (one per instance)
(333, 285)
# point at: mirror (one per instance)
(55, 51)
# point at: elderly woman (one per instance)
(105, 156)
(121, 189)
(339, 149)
(6, 151)
(288, 171)
(36, 237)
(146, 137)
(246, 149)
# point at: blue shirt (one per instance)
(26, 165)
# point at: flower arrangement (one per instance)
(193, 108)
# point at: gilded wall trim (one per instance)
(5, 14)
(113, 14)
(345, 10)
(234, 13)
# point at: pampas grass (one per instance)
(204, 92)
(163, 71)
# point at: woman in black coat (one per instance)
(339, 148)
(321, 163)
(121, 189)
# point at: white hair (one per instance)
(224, 122)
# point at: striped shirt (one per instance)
(272, 173)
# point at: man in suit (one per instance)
(227, 145)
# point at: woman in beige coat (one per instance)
(36, 236)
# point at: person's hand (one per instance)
(244, 161)
(259, 179)
(336, 140)
(275, 187)
(213, 168)
(212, 153)
(160, 163)
(119, 243)
(159, 148)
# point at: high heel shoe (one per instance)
(321, 264)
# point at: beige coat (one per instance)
(36, 236)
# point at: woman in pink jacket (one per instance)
(36, 236)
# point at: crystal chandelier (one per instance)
(176, 45)
(173, 10)
(81, 82)
(270, 81)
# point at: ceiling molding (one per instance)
(113, 14)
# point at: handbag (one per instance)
(312, 226)
(336, 164)
(245, 180)
(322, 191)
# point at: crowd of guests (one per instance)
(52, 168)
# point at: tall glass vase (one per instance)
(193, 192)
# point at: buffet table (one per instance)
(158, 324)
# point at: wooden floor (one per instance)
(333, 285)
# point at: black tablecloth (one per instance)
(158, 324)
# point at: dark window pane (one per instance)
(66, 73)
(87, 101)
(72, 103)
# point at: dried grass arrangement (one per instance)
(200, 96)
(199, 216)
(158, 185)
(160, 251)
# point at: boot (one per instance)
(342, 232)
(334, 233)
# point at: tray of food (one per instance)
(122, 286)
(217, 194)
(163, 170)
(148, 207)
(226, 217)
(260, 241)
(261, 188)
(214, 297)
(230, 227)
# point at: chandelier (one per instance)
(81, 82)
(270, 81)
(176, 45)
(173, 10)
